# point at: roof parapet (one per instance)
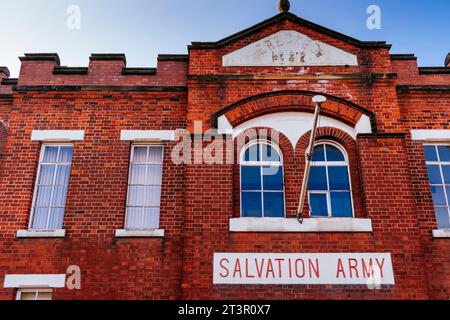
(407, 56)
(105, 69)
(434, 70)
(41, 57)
(9, 82)
(173, 57)
(109, 56)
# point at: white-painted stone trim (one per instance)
(293, 125)
(41, 234)
(288, 48)
(292, 225)
(363, 125)
(140, 234)
(35, 281)
(441, 234)
(57, 135)
(430, 135)
(147, 135)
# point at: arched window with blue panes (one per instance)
(262, 181)
(329, 186)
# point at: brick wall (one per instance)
(388, 173)
(112, 268)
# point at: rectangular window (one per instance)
(34, 294)
(144, 188)
(51, 187)
(438, 165)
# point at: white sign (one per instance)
(289, 48)
(304, 268)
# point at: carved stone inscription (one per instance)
(289, 48)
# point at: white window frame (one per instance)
(133, 146)
(36, 183)
(328, 164)
(440, 164)
(261, 163)
(33, 290)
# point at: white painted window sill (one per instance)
(441, 234)
(292, 225)
(140, 234)
(41, 234)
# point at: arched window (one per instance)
(262, 181)
(329, 187)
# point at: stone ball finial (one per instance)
(447, 60)
(284, 6)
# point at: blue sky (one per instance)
(143, 28)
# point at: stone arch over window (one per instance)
(351, 117)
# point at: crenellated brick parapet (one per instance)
(409, 73)
(44, 69)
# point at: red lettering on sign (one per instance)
(237, 269)
(380, 266)
(270, 269)
(340, 269)
(367, 270)
(290, 268)
(301, 275)
(224, 268)
(280, 267)
(353, 266)
(314, 268)
(246, 270)
(259, 268)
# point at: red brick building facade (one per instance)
(382, 110)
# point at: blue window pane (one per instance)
(251, 204)
(434, 174)
(443, 218)
(50, 154)
(338, 177)
(341, 205)
(317, 179)
(444, 153)
(252, 153)
(334, 154)
(319, 153)
(65, 155)
(438, 196)
(269, 153)
(446, 173)
(251, 178)
(273, 204)
(273, 178)
(430, 153)
(318, 205)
